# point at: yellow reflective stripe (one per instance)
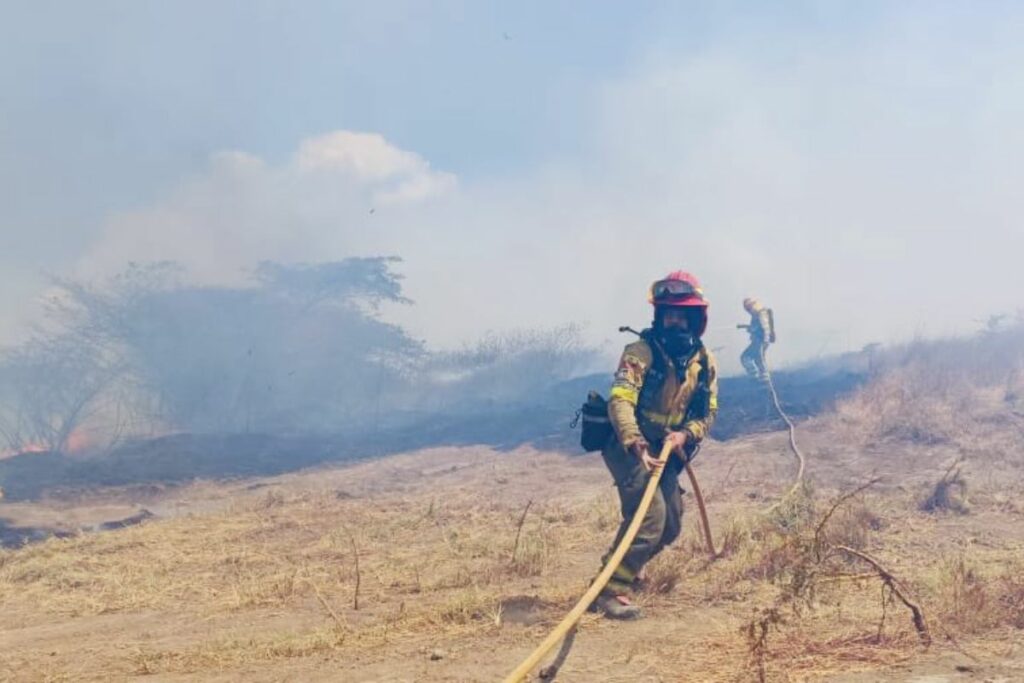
(658, 418)
(624, 574)
(617, 585)
(714, 403)
(625, 393)
(663, 419)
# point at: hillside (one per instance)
(401, 568)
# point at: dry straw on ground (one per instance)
(431, 550)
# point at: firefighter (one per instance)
(762, 333)
(665, 391)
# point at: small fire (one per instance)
(78, 441)
(31, 447)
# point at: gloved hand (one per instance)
(678, 440)
(642, 450)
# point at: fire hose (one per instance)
(567, 623)
(802, 462)
(704, 523)
(523, 670)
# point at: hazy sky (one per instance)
(857, 165)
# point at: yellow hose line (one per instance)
(705, 525)
(523, 670)
(798, 480)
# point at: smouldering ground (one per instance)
(258, 582)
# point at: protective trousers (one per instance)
(663, 521)
(753, 359)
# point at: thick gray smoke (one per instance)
(299, 349)
(856, 166)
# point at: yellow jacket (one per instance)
(760, 323)
(635, 412)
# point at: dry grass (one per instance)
(228, 561)
(910, 405)
(668, 570)
(428, 565)
(973, 597)
(274, 576)
(221, 654)
(534, 553)
(817, 605)
(828, 610)
(1013, 393)
(942, 391)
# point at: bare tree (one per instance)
(50, 387)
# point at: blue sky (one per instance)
(820, 154)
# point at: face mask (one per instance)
(678, 343)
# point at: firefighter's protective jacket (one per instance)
(760, 324)
(650, 395)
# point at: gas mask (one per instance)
(679, 343)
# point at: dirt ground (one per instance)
(257, 579)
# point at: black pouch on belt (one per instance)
(596, 428)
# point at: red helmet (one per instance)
(677, 289)
(680, 289)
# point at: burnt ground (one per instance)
(745, 408)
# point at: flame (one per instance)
(78, 440)
(31, 447)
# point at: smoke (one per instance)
(860, 177)
(298, 349)
(242, 210)
(844, 250)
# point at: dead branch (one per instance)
(339, 622)
(941, 497)
(724, 486)
(757, 638)
(836, 578)
(896, 588)
(831, 511)
(886, 601)
(954, 466)
(355, 556)
(519, 529)
(811, 567)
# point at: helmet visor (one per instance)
(669, 291)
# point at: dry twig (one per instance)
(355, 555)
(896, 588)
(519, 528)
